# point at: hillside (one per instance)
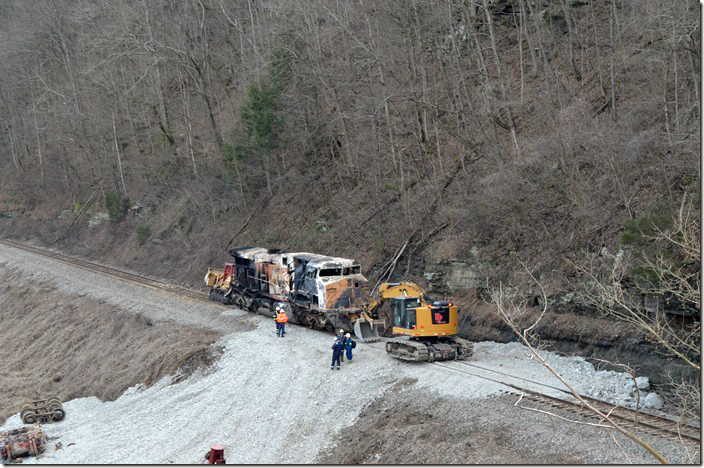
(472, 140)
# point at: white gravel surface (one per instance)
(267, 400)
(515, 359)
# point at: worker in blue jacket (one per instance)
(350, 344)
(337, 350)
(341, 337)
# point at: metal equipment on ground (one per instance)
(22, 442)
(42, 411)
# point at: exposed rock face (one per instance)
(572, 325)
(454, 276)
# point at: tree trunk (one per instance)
(570, 34)
(161, 105)
(36, 133)
(187, 112)
(504, 94)
(612, 30)
(117, 154)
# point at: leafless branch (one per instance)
(508, 310)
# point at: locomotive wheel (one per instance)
(26, 405)
(58, 414)
(54, 407)
(29, 418)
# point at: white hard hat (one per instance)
(347, 335)
(342, 331)
(278, 308)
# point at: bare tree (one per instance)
(613, 35)
(672, 272)
(517, 315)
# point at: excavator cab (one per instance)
(416, 318)
(404, 313)
(430, 329)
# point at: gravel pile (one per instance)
(270, 400)
(610, 386)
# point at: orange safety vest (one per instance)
(282, 317)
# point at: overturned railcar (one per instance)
(319, 291)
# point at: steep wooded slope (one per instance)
(479, 132)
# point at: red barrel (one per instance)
(216, 455)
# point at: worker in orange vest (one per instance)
(281, 319)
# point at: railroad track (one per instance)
(637, 420)
(114, 272)
(627, 418)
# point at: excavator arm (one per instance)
(389, 291)
(366, 326)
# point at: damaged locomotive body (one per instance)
(322, 292)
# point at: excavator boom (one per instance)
(366, 327)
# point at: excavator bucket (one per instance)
(368, 330)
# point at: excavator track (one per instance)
(406, 349)
(465, 349)
(443, 349)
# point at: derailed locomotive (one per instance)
(319, 291)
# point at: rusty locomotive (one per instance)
(318, 291)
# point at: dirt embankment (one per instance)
(53, 344)
(407, 426)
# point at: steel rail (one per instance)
(114, 272)
(626, 412)
(643, 422)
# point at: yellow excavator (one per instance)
(430, 327)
